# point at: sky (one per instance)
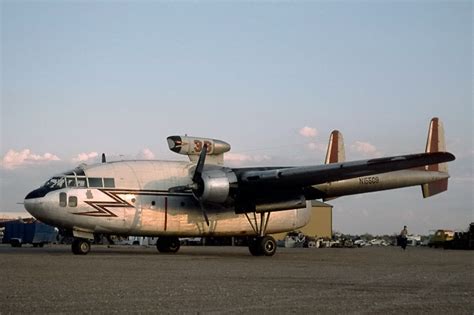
(272, 78)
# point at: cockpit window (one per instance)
(71, 181)
(95, 182)
(109, 182)
(79, 172)
(81, 182)
(56, 183)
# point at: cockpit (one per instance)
(75, 178)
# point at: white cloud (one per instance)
(365, 148)
(238, 158)
(13, 159)
(146, 154)
(83, 157)
(308, 132)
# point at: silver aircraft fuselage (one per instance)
(134, 198)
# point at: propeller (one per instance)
(198, 184)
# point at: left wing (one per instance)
(313, 175)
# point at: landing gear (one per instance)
(262, 246)
(167, 244)
(81, 246)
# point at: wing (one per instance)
(281, 188)
(313, 175)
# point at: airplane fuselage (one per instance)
(133, 198)
(139, 203)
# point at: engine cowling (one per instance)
(193, 146)
(215, 186)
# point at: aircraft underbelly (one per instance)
(224, 223)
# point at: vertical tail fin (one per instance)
(435, 143)
(335, 152)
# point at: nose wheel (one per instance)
(262, 246)
(81, 246)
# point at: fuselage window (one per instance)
(81, 182)
(72, 201)
(109, 182)
(71, 181)
(62, 199)
(95, 182)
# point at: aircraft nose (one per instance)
(37, 193)
(33, 203)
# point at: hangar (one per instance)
(320, 224)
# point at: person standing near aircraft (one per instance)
(403, 237)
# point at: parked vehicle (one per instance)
(462, 240)
(18, 233)
(440, 237)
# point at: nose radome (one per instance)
(37, 193)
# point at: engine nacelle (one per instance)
(193, 146)
(216, 186)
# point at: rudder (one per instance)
(335, 152)
(435, 143)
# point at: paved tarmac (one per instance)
(216, 280)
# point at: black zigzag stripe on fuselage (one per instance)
(101, 206)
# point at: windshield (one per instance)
(55, 183)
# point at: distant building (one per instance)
(320, 224)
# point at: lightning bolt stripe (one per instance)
(102, 207)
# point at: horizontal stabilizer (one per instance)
(434, 188)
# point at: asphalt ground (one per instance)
(134, 279)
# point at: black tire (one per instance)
(173, 245)
(262, 246)
(254, 246)
(81, 246)
(268, 246)
(168, 244)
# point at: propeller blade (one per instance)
(200, 165)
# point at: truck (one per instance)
(440, 238)
(18, 232)
(462, 240)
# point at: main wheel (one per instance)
(81, 246)
(254, 246)
(167, 244)
(268, 246)
(262, 246)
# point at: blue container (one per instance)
(17, 233)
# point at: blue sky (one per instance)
(85, 77)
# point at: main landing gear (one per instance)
(261, 245)
(81, 246)
(167, 244)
